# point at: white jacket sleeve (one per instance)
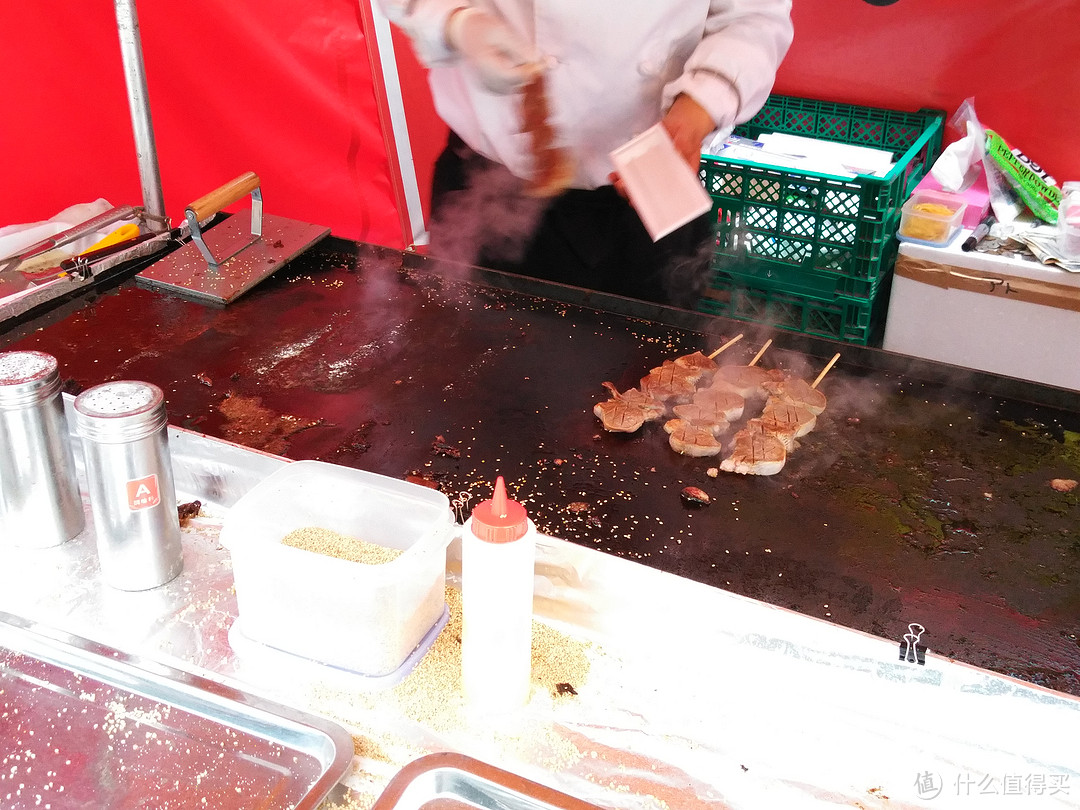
(425, 23)
(732, 70)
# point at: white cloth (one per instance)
(17, 238)
(614, 67)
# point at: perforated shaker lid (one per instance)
(120, 411)
(27, 376)
(499, 520)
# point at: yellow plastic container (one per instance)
(931, 218)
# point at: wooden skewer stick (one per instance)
(727, 345)
(761, 351)
(825, 370)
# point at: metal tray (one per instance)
(449, 781)
(84, 725)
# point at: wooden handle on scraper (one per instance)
(209, 204)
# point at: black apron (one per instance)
(481, 215)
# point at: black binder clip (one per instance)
(911, 650)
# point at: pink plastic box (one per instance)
(977, 197)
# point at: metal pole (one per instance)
(127, 22)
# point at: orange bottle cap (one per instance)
(499, 520)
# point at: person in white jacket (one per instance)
(612, 68)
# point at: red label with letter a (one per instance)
(143, 493)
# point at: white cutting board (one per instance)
(661, 186)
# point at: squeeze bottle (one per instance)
(498, 549)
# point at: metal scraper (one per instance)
(221, 263)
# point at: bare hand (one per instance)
(688, 124)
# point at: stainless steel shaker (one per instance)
(124, 430)
(40, 504)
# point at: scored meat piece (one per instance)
(755, 453)
(628, 411)
(698, 362)
(691, 439)
(727, 404)
(707, 411)
(671, 382)
(746, 381)
(785, 433)
(779, 413)
(797, 390)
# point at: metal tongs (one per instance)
(115, 214)
(83, 268)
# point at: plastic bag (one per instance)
(1004, 201)
(1037, 189)
(960, 162)
(1069, 221)
(16, 238)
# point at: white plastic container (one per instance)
(498, 553)
(1003, 314)
(1069, 221)
(364, 618)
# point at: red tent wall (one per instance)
(281, 89)
(1019, 60)
(286, 90)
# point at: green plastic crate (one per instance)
(852, 320)
(813, 231)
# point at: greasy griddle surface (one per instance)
(910, 502)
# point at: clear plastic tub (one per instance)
(364, 618)
(931, 218)
(1069, 222)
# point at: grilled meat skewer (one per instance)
(797, 391)
(628, 411)
(553, 167)
(781, 413)
(785, 433)
(711, 406)
(756, 452)
(699, 362)
(746, 381)
(671, 382)
(690, 439)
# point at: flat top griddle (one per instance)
(922, 496)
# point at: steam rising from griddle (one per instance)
(686, 278)
(493, 219)
(489, 222)
(691, 388)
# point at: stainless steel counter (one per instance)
(86, 725)
(696, 697)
